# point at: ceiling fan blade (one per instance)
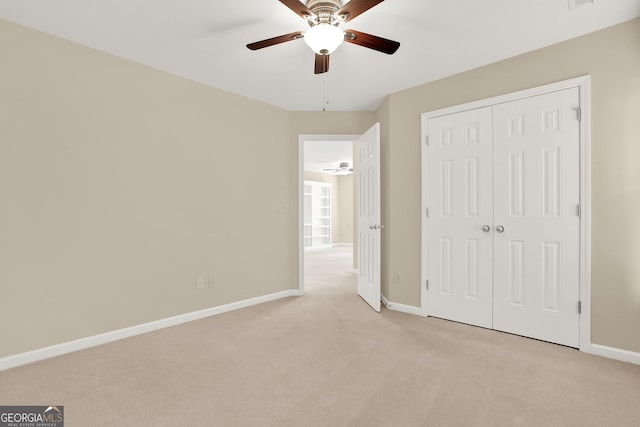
(355, 8)
(322, 64)
(276, 40)
(372, 42)
(298, 7)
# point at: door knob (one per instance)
(500, 229)
(486, 228)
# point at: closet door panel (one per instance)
(460, 203)
(536, 196)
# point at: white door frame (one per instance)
(301, 140)
(583, 84)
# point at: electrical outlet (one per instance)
(577, 3)
(211, 282)
(396, 277)
(200, 282)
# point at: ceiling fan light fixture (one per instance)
(324, 38)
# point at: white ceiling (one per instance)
(319, 155)
(204, 40)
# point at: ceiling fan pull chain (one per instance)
(325, 97)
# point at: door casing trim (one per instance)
(301, 140)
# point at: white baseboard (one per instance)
(409, 309)
(384, 300)
(95, 340)
(616, 353)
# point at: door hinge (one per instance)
(426, 212)
(427, 285)
(579, 211)
(579, 307)
(578, 113)
(426, 139)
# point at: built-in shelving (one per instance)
(317, 214)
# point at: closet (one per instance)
(503, 198)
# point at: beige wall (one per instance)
(384, 118)
(612, 58)
(345, 199)
(330, 123)
(121, 184)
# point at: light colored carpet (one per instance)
(327, 359)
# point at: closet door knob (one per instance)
(500, 229)
(486, 228)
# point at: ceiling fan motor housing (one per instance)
(325, 10)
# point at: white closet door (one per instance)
(460, 200)
(536, 267)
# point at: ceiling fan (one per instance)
(324, 17)
(343, 169)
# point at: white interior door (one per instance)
(460, 200)
(369, 228)
(537, 194)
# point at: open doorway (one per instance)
(327, 225)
